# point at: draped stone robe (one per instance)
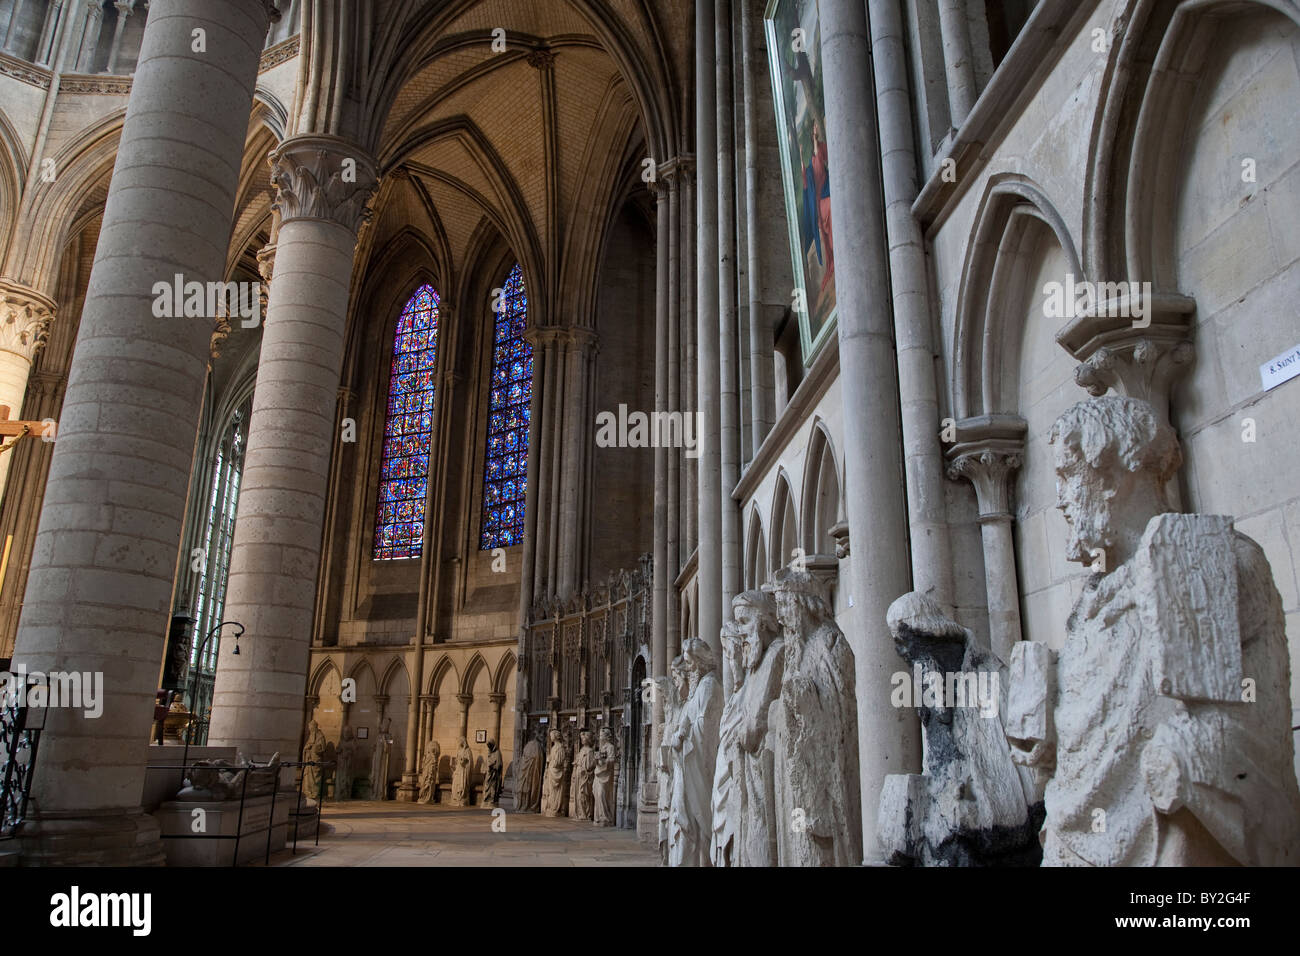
(815, 726)
(603, 784)
(695, 743)
(744, 805)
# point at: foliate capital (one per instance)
(25, 317)
(323, 177)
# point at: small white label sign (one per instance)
(1280, 369)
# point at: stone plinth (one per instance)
(177, 819)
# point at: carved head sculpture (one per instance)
(677, 670)
(698, 657)
(584, 738)
(491, 745)
(801, 601)
(1114, 457)
(553, 737)
(755, 612)
(606, 735)
(464, 744)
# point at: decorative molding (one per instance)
(282, 52)
(25, 72)
(88, 83)
(542, 58)
(308, 171)
(25, 317)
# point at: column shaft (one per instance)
(99, 593)
(275, 557)
(662, 575)
(888, 737)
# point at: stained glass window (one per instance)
(505, 474)
(408, 427)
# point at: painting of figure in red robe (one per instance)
(794, 51)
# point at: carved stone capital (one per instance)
(497, 698)
(988, 452)
(325, 178)
(839, 532)
(1137, 357)
(25, 317)
(465, 699)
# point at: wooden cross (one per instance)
(16, 429)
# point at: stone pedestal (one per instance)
(178, 820)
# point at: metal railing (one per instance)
(18, 746)
(296, 814)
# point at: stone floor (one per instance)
(370, 833)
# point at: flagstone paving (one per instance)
(371, 833)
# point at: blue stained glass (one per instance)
(505, 471)
(408, 428)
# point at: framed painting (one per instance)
(794, 57)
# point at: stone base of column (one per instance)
(408, 791)
(91, 838)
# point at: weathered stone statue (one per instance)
(603, 780)
(972, 806)
(492, 776)
(380, 757)
(222, 780)
(1169, 720)
(462, 768)
(528, 777)
(314, 751)
(346, 765)
(694, 740)
(429, 772)
(744, 802)
(555, 785)
(584, 765)
(671, 690)
(815, 724)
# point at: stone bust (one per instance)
(1165, 722)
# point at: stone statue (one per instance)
(379, 760)
(429, 772)
(345, 767)
(744, 801)
(1168, 719)
(815, 724)
(492, 776)
(313, 751)
(555, 785)
(216, 780)
(462, 768)
(602, 785)
(694, 740)
(671, 690)
(972, 806)
(528, 777)
(584, 765)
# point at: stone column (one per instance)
(124, 9)
(99, 593)
(676, 528)
(323, 186)
(707, 354)
(575, 428)
(909, 277)
(888, 737)
(90, 38)
(959, 65)
(544, 355)
(464, 700)
(45, 48)
(728, 387)
(498, 700)
(25, 317)
(663, 576)
(988, 452)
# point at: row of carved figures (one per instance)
(1158, 734)
(581, 785)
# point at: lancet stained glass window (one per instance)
(408, 428)
(505, 472)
